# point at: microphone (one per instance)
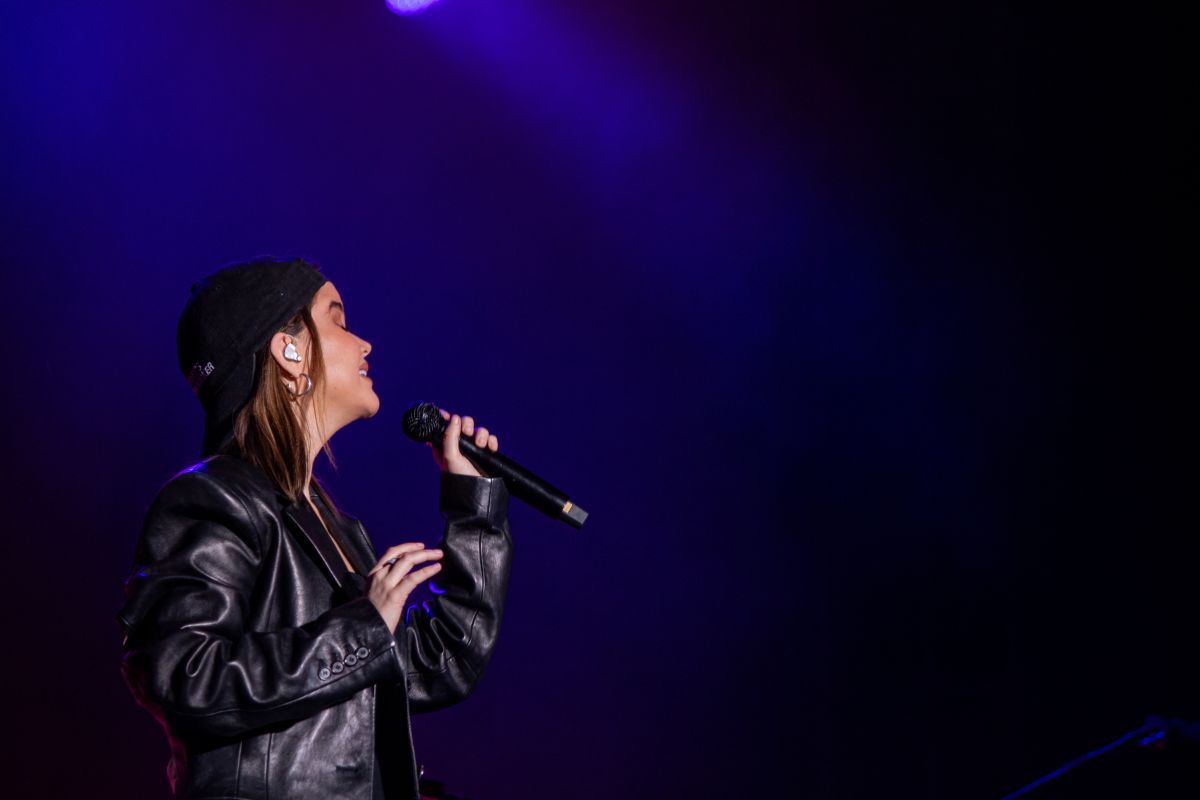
(423, 422)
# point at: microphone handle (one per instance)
(522, 483)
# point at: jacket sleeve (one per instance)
(445, 647)
(188, 656)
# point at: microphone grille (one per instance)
(422, 422)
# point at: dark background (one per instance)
(855, 329)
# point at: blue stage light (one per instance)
(408, 6)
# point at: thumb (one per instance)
(451, 436)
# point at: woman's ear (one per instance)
(288, 352)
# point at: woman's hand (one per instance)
(450, 459)
(390, 583)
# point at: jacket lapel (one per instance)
(302, 520)
(363, 549)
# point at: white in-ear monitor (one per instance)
(290, 353)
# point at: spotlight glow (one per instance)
(408, 6)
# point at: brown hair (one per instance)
(268, 433)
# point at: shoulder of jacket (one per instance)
(231, 468)
(225, 486)
(228, 472)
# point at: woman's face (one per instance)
(349, 394)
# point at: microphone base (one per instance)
(573, 515)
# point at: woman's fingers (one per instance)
(451, 459)
(485, 439)
(393, 553)
(480, 435)
(399, 570)
(413, 579)
(450, 436)
(391, 582)
(397, 550)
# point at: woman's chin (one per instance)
(372, 407)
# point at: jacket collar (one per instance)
(349, 534)
(301, 519)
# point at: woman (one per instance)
(261, 629)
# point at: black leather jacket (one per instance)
(272, 674)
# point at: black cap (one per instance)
(230, 315)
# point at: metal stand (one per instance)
(1153, 732)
